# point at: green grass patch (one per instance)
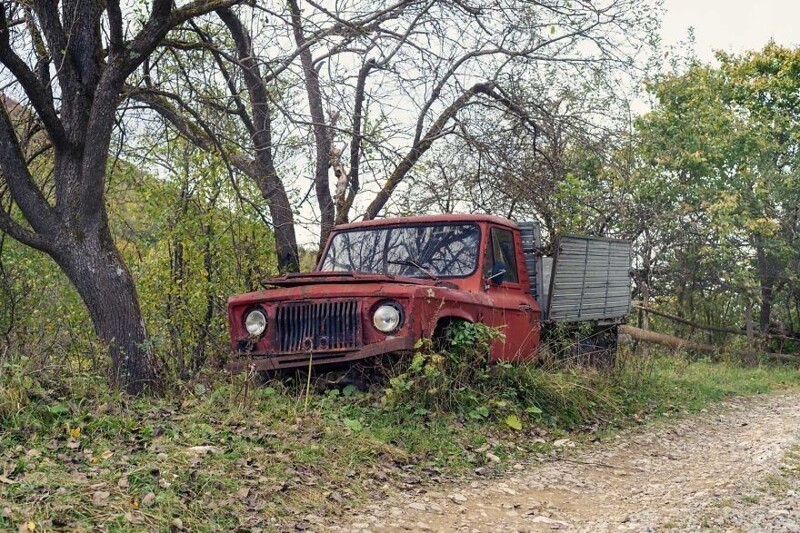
(221, 455)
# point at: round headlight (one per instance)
(255, 322)
(386, 318)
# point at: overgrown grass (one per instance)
(219, 454)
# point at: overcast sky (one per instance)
(732, 25)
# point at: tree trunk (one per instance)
(748, 321)
(91, 56)
(280, 211)
(322, 134)
(682, 344)
(766, 274)
(263, 171)
(102, 279)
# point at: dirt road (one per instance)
(734, 467)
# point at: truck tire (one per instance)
(600, 349)
(574, 344)
(440, 338)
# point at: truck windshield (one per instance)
(442, 250)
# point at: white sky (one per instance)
(731, 25)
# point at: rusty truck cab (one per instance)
(382, 285)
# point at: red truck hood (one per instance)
(318, 278)
(336, 285)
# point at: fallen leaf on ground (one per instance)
(203, 450)
(514, 422)
(100, 497)
(149, 499)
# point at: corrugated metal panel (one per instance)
(590, 280)
(546, 265)
(531, 235)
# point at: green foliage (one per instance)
(452, 376)
(442, 372)
(707, 186)
(190, 242)
(456, 379)
(189, 251)
(717, 189)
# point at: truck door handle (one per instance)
(525, 307)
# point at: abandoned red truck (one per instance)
(381, 285)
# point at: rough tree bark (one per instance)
(72, 225)
(322, 139)
(767, 273)
(101, 277)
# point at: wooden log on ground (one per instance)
(682, 344)
(680, 320)
(718, 329)
(644, 335)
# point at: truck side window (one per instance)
(502, 249)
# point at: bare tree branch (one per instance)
(20, 182)
(434, 132)
(36, 92)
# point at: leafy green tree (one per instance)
(719, 178)
(70, 60)
(191, 242)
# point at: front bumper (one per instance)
(300, 360)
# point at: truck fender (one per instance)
(447, 318)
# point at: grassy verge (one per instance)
(223, 455)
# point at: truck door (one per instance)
(513, 310)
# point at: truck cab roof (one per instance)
(428, 219)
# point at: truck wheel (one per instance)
(440, 339)
(262, 377)
(601, 348)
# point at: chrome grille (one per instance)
(326, 326)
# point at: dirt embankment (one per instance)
(734, 467)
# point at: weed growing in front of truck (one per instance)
(443, 372)
(451, 375)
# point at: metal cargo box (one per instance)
(590, 279)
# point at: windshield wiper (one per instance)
(411, 262)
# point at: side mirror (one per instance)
(498, 273)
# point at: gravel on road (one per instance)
(734, 467)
